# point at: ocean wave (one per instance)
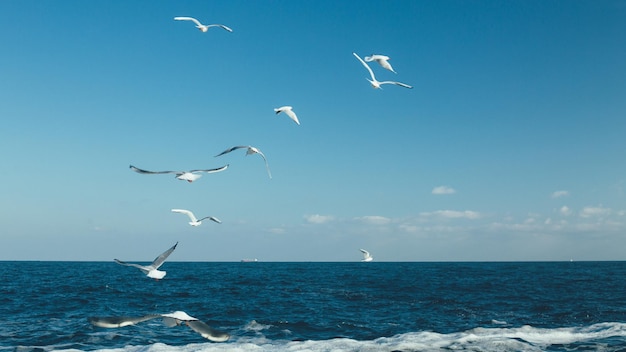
(609, 337)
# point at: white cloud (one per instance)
(529, 221)
(443, 190)
(319, 219)
(559, 194)
(453, 214)
(565, 210)
(588, 212)
(374, 219)
(409, 228)
(277, 230)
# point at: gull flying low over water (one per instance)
(366, 256)
(382, 61)
(249, 150)
(374, 82)
(188, 176)
(194, 221)
(203, 28)
(170, 319)
(152, 270)
(289, 111)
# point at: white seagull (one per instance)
(382, 61)
(188, 176)
(170, 319)
(249, 150)
(366, 256)
(152, 270)
(289, 111)
(194, 221)
(375, 83)
(203, 28)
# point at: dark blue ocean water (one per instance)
(553, 306)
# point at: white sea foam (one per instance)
(525, 338)
(256, 326)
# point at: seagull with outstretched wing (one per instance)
(188, 176)
(152, 270)
(249, 150)
(195, 221)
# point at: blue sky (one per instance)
(510, 146)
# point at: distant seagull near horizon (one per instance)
(188, 176)
(249, 150)
(374, 82)
(366, 256)
(382, 61)
(152, 270)
(169, 319)
(289, 111)
(203, 28)
(194, 221)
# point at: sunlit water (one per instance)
(569, 306)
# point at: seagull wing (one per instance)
(212, 218)
(118, 322)
(207, 332)
(141, 171)
(267, 166)
(160, 259)
(186, 212)
(231, 149)
(366, 254)
(397, 83)
(366, 66)
(210, 171)
(188, 19)
(143, 268)
(222, 26)
(292, 115)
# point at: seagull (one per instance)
(188, 176)
(178, 317)
(152, 270)
(375, 83)
(169, 319)
(250, 150)
(118, 322)
(382, 60)
(203, 28)
(289, 111)
(366, 256)
(194, 221)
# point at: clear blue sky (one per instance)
(510, 146)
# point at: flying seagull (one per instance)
(189, 176)
(382, 61)
(375, 83)
(170, 319)
(203, 28)
(249, 150)
(366, 256)
(194, 221)
(289, 111)
(119, 322)
(152, 270)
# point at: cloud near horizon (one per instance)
(588, 212)
(443, 190)
(565, 210)
(319, 219)
(559, 194)
(374, 219)
(452, 214)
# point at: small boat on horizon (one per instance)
(249, 260)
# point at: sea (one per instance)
(315, 306)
